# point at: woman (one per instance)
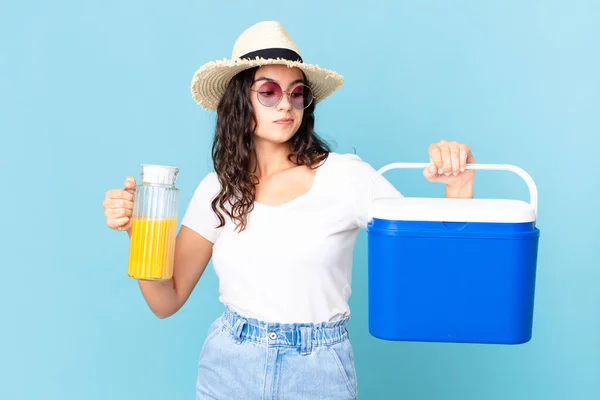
(279, 217)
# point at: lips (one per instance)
(284, 121)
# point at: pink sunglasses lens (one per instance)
(269, 94)
(301, 97)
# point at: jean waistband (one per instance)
(304, 336)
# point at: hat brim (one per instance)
(210, 80)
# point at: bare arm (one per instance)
(192, 254)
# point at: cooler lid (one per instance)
(452, 210)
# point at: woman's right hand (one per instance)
(118, 206)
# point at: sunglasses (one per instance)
(269, 94)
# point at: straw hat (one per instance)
(264, 43)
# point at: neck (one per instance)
(270, 158)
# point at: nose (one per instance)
(285, 103)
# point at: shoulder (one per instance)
(348, 164)
(209, 186)
(199, 215)
(336, 158)
(210, 180)
(341, 160)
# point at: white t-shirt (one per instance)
(293, 262)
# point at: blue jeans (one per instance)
(249, 359)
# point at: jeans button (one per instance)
(272, 335)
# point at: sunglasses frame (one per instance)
(288, 92)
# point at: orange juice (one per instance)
(152, 249)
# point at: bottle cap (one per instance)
(161, 174)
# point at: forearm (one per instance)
(465, 191)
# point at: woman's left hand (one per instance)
(448, 162)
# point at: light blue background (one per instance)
(91, 90)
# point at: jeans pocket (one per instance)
(215, 328)
(343, 356)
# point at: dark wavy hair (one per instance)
(233, 148)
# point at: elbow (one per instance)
(164, 313)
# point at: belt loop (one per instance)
(305, 340)
(237, 328)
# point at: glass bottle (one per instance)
(154, 224)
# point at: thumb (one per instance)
(129, 184)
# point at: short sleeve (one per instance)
(361, 176)
(199, 215)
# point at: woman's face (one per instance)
(279, 122)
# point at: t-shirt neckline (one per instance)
(302, 196)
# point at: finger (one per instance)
(455, 157)
(430, 172)
(435, 156)
(119, 203)
(119, 194)
(446, 159)
(115, 213)
(109, 203)
(129, 184)
(114, 223)
(470, 157)
(464, 155)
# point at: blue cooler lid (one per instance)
(455, 210)
(452, 210)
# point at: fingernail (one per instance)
(432, 169)
(447, 174)
(462, 170)
(441, 171)
(455, 173)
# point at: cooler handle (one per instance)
(533, 194)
